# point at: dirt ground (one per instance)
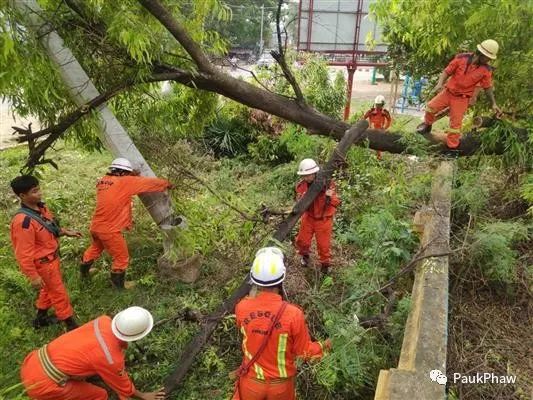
(490, 331)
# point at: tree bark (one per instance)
(193, 348)
(83, 92)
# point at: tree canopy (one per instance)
(424, 35)
(244, 27)
(128, 47)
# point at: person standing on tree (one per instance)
(274, 334)
(34, 236)
(317, 220)
(112, 216)
(465, 72)
(378, 117)
(59, 369)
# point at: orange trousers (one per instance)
(458, 106)
(40, 387)
(322, 230)
(252, 389)
(53, 293)
(114, 243)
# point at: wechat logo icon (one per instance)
(437, 376)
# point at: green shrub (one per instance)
(230, 133)
(270, 150)
(526, 191)
(492, 251)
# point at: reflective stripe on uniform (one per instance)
(50, 369)
(258, 370)
(101, 341)
(282, 348)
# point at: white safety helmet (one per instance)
(121, 163)
(132, 324)
(268, 268)
(489, 48)
(308, 166)
(380, 99)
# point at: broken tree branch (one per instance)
(284, 228)
(279, 56)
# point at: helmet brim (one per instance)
(271, 283)
(121, 167)
(131, 338)
(485, 52)
(310, 172)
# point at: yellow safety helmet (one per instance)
(489, 48)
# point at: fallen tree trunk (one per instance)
(193, 348)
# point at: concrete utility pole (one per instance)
(262, 22)
(82, 90)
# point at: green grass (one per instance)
(227, 244)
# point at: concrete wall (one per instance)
(425, 336)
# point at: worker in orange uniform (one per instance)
(274, 334)
(378, 117)
(465, 72)
(112, 216)
(34, 236)
(58, 370)
(318, 218)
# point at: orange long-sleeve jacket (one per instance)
(378, 118)
(465, 76)
(319, 209)
(289, 340)
(90, 350)
(113, 200)
(31, 241)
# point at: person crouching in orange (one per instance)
(112, 216)
(317, 220)
(34, 236)
(378, 117)
(59, 369)
(274, 334)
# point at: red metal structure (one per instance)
(338, 29)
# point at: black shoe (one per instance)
(449, 153)
(423, 128)
(43, 319)
(71, 323)
(304, 262)
(325, 269)
(118, 279)
(85, 268)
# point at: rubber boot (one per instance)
(70, 323)
(423, 128)
(304, 262)
(85, 267)
(324, 268)
(43, 319)
(118, 279)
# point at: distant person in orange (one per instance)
(317, 220)
(274, 334)
(59, 369)
(458, 83)
(34, 236)
(112, 216)
(378, 117)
